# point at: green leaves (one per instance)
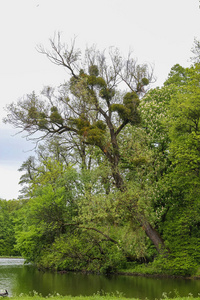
(184, 132)
(7, 236)
(115, 165)
(55, 117)
(128, 110)
(93, 134)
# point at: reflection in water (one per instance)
(9, 269)
(11, 262)
(18, 278)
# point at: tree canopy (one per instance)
(115, 178)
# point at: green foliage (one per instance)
(93, 70)
(42, 120)
(7, 221)
(181, 77)
(107, 93)
(55, 117)
(46, 215)
(82, 251)
(43, 217)
(177, 76)
(131, 99)
(100, 295)
(145, 81)
(121, 109)
(92, 133)
(128, 110)
(182, 236)
(82, 124)
(32, 112)
(180, 213)
(100, 82)
(95, 136)
(184, 135)
(154, 109)
(136, 163)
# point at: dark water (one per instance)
(18, 278)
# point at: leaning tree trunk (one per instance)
(151, 232)
(114, 158)
(154, 237)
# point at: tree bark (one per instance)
(151, 232)
(154, 237)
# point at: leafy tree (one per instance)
(44, 215)
(51, 231)
(170, 164)
(180, 205)
(184, 133)
(154, 108)
(90, 110)
(7, 221)
(180, 76)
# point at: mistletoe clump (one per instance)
(128, 110)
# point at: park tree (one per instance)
(53, 230)
(171, 120)
(8, 209)
(184, 131)
(50, 155)
(91, 110)
(154, 109)
(52, 204)
(184, 116)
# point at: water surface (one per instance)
(18, 279)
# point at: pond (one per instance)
(18, 278)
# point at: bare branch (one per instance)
(137, 77)
(196, 51)
(61, 55)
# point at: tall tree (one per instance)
(90, 109)
(184, 146)
(184, 129)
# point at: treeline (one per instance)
(114, 181)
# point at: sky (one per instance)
(160, 32)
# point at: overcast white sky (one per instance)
(158, 31)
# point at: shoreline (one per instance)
(120, 273)
(157, 275)
(123, 273)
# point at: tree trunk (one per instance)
(114, 157)
(155, 238)
(151, 232)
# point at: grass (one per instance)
(98, 296)
(95, 297)
(145, 269)
(58, 297)
(72, 298)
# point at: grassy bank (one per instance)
(95, 297)
(161, 268)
